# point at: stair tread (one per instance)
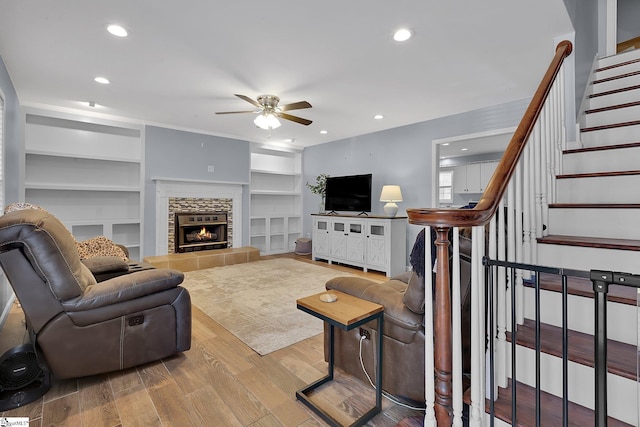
(594, 206)
(551, 413)
(598, 174)
(613, 107)
(592, 242)
(619, 76)
(614, 91)
(583, 287)
(611, 126)
(622, 358)
(620, 64)
(602, 148)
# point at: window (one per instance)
(445, 186)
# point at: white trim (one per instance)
(435, 154)
(171, 187)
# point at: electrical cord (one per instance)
(384, 393)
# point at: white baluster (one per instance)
(456, 327)
(477, 407)
(429, 382)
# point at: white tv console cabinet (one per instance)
(371, 242)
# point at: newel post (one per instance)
(442, 331)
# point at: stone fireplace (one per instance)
(198, 198)
(200, 231)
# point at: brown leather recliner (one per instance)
(404, 324)
(83, 327)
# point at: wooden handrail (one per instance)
(488, 203)
(444, 219)
(622, 46)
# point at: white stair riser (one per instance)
(602, 161)
(608, 223)
(619, 115)
(620, 135)
(608, 189)
(615, 84)
(617, 71)
(585, 258)
(618, 59)
(580, 316)
(614, 99)
(622, 393)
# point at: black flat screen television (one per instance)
(348, 193)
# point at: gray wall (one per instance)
(186, 155)
(11, 140)
(400, 156)
(584, 17)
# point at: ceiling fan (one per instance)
(269, 111)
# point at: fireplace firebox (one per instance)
(199, 231)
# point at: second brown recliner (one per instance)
(404, 328)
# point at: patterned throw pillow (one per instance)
(99, 246)
(20, 206)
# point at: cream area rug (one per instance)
(256, 301)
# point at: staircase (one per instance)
(595, 224)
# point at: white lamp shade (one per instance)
(391, 194)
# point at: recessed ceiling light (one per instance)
(102, 80)
(445, 144)
(117, 30)
(378, 117)
(403, 34)
(324, 132)
(463, 149)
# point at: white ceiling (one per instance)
(184, 60)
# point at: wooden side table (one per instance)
(347, 312)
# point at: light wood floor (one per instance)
(218, 382)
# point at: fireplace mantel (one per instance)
(175, 187)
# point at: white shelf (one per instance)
(76, 187)
(272, 172)
(276, 200)
(82, 156)
(87, 172)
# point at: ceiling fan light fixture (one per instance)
(267, 121)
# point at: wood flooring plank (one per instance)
(238, 346)
(155, 375)
(136, 408)
(172, 407)
(211, 409)
(97, 404)
(62, 412)
(125, 380)
(227, 355)
(258, 384)
(278, 374)
(60, 388)
(31, 410)
(245, 406)
(187, 370)
(268, 421)
(292, 413)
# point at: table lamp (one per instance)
(391, 194)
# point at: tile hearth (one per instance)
(190, 261)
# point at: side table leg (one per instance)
(379, 365)
(331, 351)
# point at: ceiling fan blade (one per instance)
(295, 106)
(295, 119)
(236, 112)
(249, 100)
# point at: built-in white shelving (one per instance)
(276, 200)
(88, 172)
